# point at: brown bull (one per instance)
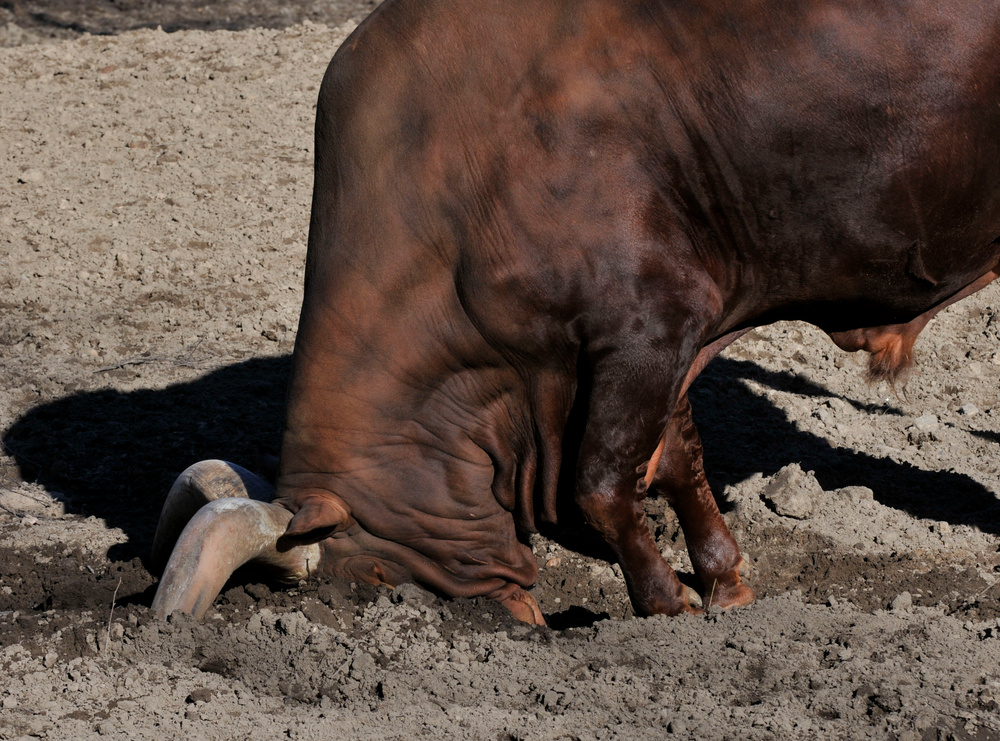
(528, 205)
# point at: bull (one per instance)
(522, 209)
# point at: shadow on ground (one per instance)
(744, 434)
(114, 455)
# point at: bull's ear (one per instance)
(317, 517)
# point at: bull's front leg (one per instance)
(680, 476)
(623, 422)
(625, 418)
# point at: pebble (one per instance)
(926, 423)
(199, 695)
(968, 410)
(903, 601)
(33, 175)
(553, 563)
(857, 494)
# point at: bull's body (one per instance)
(524, 206)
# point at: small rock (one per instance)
(857, 494)
(553, 563)
(969, 410)
(33, 175)
(904, 601)
(839, 406)
(793, 492)
(9, 703)
(199, 695)
(926, 423)
(410, 593)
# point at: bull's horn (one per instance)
(224, 520)
(201, 483)
(221, 537)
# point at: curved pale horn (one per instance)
(221, 537)
(203, 482)
(216, 518)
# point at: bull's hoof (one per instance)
(726, 596)
(521, 604)
(694, 602)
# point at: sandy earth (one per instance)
(154, 193)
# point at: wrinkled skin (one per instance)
(523, 208)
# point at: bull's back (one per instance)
(799, 148)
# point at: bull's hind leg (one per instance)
(680, 476)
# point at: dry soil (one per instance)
(154, 194)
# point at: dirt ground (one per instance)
(154, 193)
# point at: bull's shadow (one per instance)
(114, 454)
(743, 433)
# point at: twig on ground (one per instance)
(711, 596)
(184, 360)
(970, 601)
(111, 615)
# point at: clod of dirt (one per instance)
(793, 492)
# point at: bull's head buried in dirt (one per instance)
(522, 207)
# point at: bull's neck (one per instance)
(404, 377)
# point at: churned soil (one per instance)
(154, 196)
